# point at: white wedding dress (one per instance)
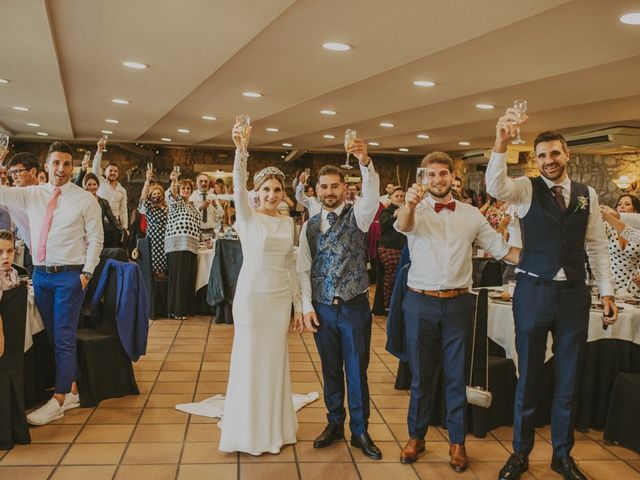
(259, 414)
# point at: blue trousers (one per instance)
(59, 298)
(435, 325)
(540, 307)
(343, 340)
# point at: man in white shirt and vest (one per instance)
(561, 226)
(110, 189)
(66, 240)
(438, 308)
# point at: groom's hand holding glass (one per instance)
(359, 150)
(507, 128)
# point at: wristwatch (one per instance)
(87, 275)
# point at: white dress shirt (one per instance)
(440, 245)
(519, 192)
(21, 221)
(116, 196)
(310, 203)
(75, 236)
(212, 209)
(364, 212)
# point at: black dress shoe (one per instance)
(367, 446)
(514, 468)
(567, 468)
(331, 433)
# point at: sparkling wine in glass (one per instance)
(176, 168)
(520, 106)
(4, 145)
(150, 166)
(422, 180)
(245, 129)
(349, 139)
(106, 139)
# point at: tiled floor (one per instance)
(143, 437)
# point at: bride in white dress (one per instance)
(259, 414)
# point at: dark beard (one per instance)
(440, 195)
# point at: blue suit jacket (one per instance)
(132, 308)
(396, 341)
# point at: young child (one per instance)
(13, 422)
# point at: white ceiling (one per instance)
(574, 62)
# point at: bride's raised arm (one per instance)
(240, 193)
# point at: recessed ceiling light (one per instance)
(328, 136)
(252, 94)
(464, 144)
(272, 129)
(287, 145)
(166, 139)
(184, 130)
(403, 149)
(134, 65)
(21, 109)
(42, 134)
(387, 125)
(423, 135)
(4, 80)
(33, 124)
(374, 144)
(485, 106)
(208, 117)
(120, 101)
(328, 112)
(111, 120)
(424, 83)
(337, 46)
(631, 18)
(107, 132)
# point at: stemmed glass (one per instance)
(245, 129)
(150, 166)
(349, 140)
(520, 107)
(421, 180)
(106, 139)
(4, 145)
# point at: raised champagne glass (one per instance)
(520, 107)
(245, 129)
(422, 181)
(349, 140)
(4, 145)
(106, 139)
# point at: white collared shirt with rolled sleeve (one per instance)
(310, 203)
(116, 196)
(75, 236)
(364, 211)
(519, 192)
(440, 245)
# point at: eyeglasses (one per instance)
(16, 171)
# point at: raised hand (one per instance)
(414, 196)
(101, 144)
(359, 150)
(507, 128)
(240, 135)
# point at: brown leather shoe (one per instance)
(458, 457)
(411, 450)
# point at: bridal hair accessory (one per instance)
(267, 172)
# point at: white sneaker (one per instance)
(70, 401)
(47, 413)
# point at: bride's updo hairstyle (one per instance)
(267, 174)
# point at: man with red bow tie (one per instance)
(438, 307)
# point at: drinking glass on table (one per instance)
(4, 145)
(520, 107)
(245, 129)
(349, 140)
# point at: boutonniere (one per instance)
(583, 203)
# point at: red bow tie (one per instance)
(451, 206)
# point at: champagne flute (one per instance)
(349, 139)
(106, 139)
(176, 168)
(150, 166)
(245, 129)
(4, 145)
(520, 106)
(422, 181)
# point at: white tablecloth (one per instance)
(205, 259)
(34, 320)
(501, 328)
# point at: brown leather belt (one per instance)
(451, 293)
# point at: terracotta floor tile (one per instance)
(390, 453)
(386, 471)
(542, 451)
(620, 452)
(184, 357)
(105, 433)
(54, 433)
(391, 401)
(34, 454)
(315, 415)
(149, 365)
(206, 452)
(489, 451)
(490, 470)
(304, 377)
(152, 453)
(328, 471)
(163, 415)
(213, 376)
(74, 417)
(168, 400)
(217, 366)
(145, 387)
(94, 454)
(393, 415)
(204, 432)
(187, 348)
(301, 366)
(130, 401)
(635, 464)
(180, 366)
(209, 472)
(441, 471)
(174, 387)
(159, 433)
(25, 473)
(146, 472)
(338, 452)
(146, 375)
(171, 376)
(115, 416)
(211, 387)
(286, 455)
(590, 450)
(268, 471)
(609, 469)
(309, 431)
(94, 472)
(379, 432)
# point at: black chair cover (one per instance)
(223, 278)
(623, 419)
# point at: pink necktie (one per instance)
(46, 225)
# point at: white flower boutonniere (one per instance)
(583, 203)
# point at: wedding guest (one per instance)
(113, 230)
(470, 197)
(438, 307)
(285, 205)
(561, 226)
(306, 196)
(457, 186)
(4, 175)
(391, 242)
(43, 177)
(110, 189)
(332, 265)
(384, 199)
(154, 206)
(14, 428)
(495, 212)
(181, 241)
(209, 209)
(67, 248)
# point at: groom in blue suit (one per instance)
(332, 265)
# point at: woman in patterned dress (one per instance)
(153, 205)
